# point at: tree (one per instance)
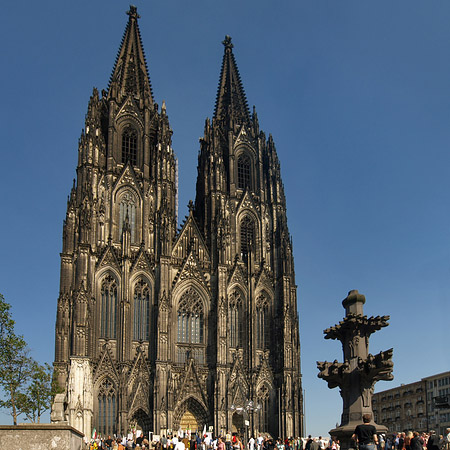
(38, 395)
(15, 364)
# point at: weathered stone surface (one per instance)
(40, 437)
(157, 324)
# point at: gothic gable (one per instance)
(191, 386)
(109, 258)
(190, 238)
(190, 270)
(264, 374)
(106, 366)
(248, 204)
(142, 262)
(237, 375)
(238, 276)
(130, 109)
(139, 384)
(128, 178)
(244, 138)
(264, 280)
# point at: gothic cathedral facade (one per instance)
(162, 327)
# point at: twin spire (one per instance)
(130, 76)
(130, 73)
(231, 102)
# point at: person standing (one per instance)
(365, 434)
(433, 441)
(416, 442)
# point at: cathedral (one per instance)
(165, 327)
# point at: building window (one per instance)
(236, 319)
(127, 213)
(263, 399)
(129, 146)
(141, 311)
(247, 237)
(190, 318)
(262, 322)
(107, 408)
(244, 171)
(108, 308)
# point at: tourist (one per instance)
(259, 441)
(416, 442)
(447, 438)
(314, 445)
(408, 438)
(433, 441)
(251, 443)
(308, 443)
(323, 443)
(237, 444)
(365, 434)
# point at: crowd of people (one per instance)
(365, 438)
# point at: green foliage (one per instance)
(26, 385)
(38, 393)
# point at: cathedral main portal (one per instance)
(188, 422)
(190, 415)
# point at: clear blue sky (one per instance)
(356, 96)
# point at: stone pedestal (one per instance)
(41, 437)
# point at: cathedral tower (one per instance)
(171, 329)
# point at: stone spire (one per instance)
(130, 73)
(231, 102)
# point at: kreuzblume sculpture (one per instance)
(359, 372)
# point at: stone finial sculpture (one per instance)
(359, 372)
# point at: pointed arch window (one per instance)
(247, 237)
(107, 408)
(127, 211)
(190, 318)
(244, 171)
(236, 320)
(262, 323)
(263, 395)
(141, 311)
(129, 146)
(108, 308)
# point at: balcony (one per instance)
(442, 402)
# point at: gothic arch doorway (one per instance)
(190, 415)
(237, 424)
(142, 421)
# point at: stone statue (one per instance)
(359, 372)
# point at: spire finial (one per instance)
(227, 42)
(133, 12)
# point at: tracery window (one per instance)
(263, 399)
(127, 209)
(141, 311)
(108, 308)
(190, 318)
(262, 322)
(129, 146)
(107, 408)
(236, 319)
(247, 237)
(244, 171)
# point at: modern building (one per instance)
(164, 328)
(419, 406)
